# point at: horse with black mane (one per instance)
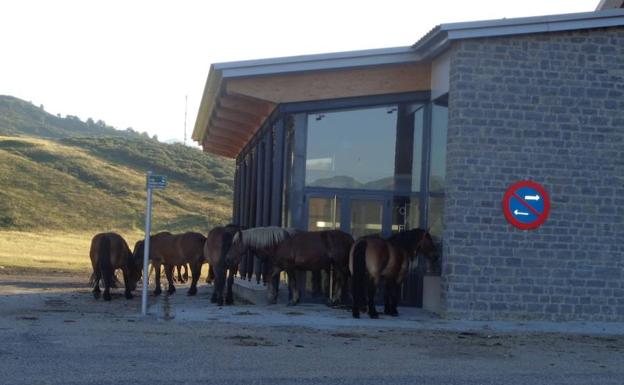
(373, 258)
(174, 250)
(218, 242)
(291, 251)
(109, 251)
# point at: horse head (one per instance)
(232, 246)
(135, 264)
(427, 247)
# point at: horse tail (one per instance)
(104, 261)
(358, 280)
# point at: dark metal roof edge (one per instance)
(429, 45)
(337, 60)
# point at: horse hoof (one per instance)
(220, 302)
(356, 314)
(213, 300)
(96, 294)
(229, 301)
(107, 297)
(170, 291)
(191, 292)
(157, 291)
(291, 303)
(129, 295)
(374, 316)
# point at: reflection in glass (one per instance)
(366, 217)
(405, 214)
(436, 208)
(323, 214)
(352, 148)
(439, 125)
(417, 151)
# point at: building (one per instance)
(431, 136)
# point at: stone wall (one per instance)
(548, 108)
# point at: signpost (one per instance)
(526, 205)
(158, 182)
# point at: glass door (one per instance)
(323, 213)
(367, 217)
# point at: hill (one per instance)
(66, 174)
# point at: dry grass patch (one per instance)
(49, 250)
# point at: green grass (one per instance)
(48, 185)
(65, 174)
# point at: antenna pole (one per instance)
(185, 108)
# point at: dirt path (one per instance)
(54, 332)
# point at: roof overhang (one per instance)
(438, 39)
(610, 4)
(239, 96)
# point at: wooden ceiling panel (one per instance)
(308, 86)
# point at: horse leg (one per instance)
(372, 289)
(177, 269)
(169, 274)
(210, 277)
(195, 271)
(272, 289)
(396, 294)
(96, 286)
(185, 275)
(126, 278)
(156, 266)
(229, 296)
(337, 284)
(292, 286)
(220, 275)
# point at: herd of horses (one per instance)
(367, 262)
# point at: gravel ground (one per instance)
(53, 332)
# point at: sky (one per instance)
(131, 63)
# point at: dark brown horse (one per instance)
(262, 242)
(315, 251)
(218, 242)
(109, 251)
(173, 250)
(291, 251)
(373, 258)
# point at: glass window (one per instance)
(405, 214)
(417, 150)
(439, 123)
(436, 207)
(323, 213)
(366, 217)
(352, 149)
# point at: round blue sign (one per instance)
(526, 205)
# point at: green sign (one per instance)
(157, 181)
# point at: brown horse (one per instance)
(218, 242)
(292, 250)
(373, 258)
(109, 251)
(262, 242)
(315, 251)
(173, 250)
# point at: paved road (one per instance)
(57, 334)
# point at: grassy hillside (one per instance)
(75, 177)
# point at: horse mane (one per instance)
(407, 240)
(261, 237)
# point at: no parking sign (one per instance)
(526, 205)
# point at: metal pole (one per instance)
(148, 223)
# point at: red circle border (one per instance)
(507, 211)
